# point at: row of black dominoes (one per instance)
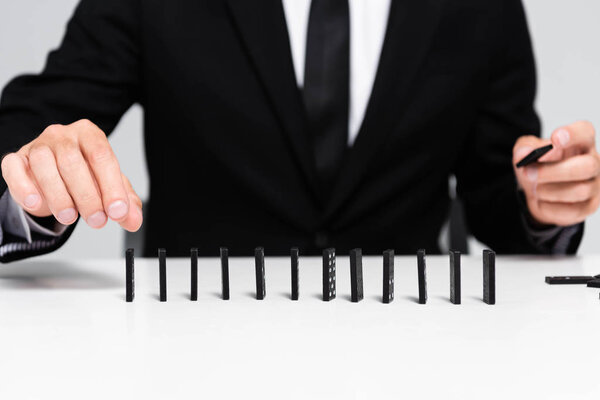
(329, 275)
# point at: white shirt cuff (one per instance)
(15, 221)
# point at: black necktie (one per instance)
(326, 83)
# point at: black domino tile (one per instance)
(568, 280)
(259, 263)
(388, 276)
(295, 255)
(422, 276)
(534, 156)
(455, 292)
(224, 253)
(129, 276)
(489, 277)
(162, 273)
(329, 285)
(594, 284)
(356, 276)
(194, 274)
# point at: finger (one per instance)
(578, 136)
(79, 182)
(568, 192)
(133, 221)
(21, 185)
(134, 218)
(106, 170)
(576, 168)
(565, 214)
(43, 167)
(525, 145)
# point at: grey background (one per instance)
(565, 36)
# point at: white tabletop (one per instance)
(66, 332)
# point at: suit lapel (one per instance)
(409, 32)
(263, 30)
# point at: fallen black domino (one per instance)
(455, 277)
(224, 252)
(295, 255)
(259, 263)
(421, 271)
(162, 273)
(534, 156)
(595, 283)
(194, 274)
(328, 274)
(356, 276)
(568, 280)
(489, 277)
(129, 276)
(388, 276)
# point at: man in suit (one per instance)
(293, 123)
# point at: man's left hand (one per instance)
(562, 187)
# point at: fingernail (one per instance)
(522, 152)
(32, 200)
(66, 216)
(532, 173)
(563, 137)
(97, 219)
(117, 210)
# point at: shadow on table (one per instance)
(54, 275)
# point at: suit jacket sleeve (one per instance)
(94, 74)
(485, 178)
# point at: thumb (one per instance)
(526, 177)
(525, 145)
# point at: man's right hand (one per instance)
(70, 170)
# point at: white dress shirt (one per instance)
(368, 23)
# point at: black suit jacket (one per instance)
(227, 143)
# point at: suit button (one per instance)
(321, 240)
